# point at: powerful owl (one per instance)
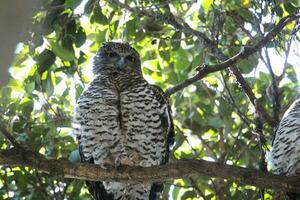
(121, 119)
(285, 154)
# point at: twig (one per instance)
(248, 91)
(245, 148)
(178, 130)
(232, 102)
(8, 136)
(275, 94)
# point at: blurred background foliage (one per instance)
(214, 120)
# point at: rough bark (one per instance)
(177, 169)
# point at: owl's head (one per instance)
(120, 57)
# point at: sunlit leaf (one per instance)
(62, 52)
(45, 60)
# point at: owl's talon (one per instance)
(103, 166)
(117, 162)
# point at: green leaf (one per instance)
(5, 93)
(80, 37)
(71, 27)
(27, 107)
(82, 58)
(67, 43)
(230, 25)
(49, 84)
(29, 86)
(176, 40)
(175, 193)
(197, 61)
(72, 3)
(278, 10)
(189, 195)
(290, 8)
(291, 74)
(36, 41)
(22, 137)
(45, 60)
(201, 15)
(207, 5)
(79, 90)
(130, 28)
(295, 2)
(74, 156)
(215, 122)
(62, 52)
(246, 66)
(98, 16)
(164, 54)
(48, 22)
(88, 7)
(246, 14)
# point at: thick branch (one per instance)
(178, 169)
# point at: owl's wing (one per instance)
(284, 156)
(166, 118)
(167, 125)
(96, 188)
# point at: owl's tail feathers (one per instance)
(96, 188)
(98, 191)
(293, 196)
(155, 191)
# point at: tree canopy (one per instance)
(214, 59)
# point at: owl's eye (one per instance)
(111, 54)
(130, 58)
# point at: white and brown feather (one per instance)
(120, 119)
(285, 153)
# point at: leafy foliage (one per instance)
(214, 119)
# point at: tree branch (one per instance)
(8, 136)
(204, 70)
(169, 18)
(178, 169)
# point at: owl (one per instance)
(285, 153)
(122, 120)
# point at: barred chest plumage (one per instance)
(122, 127)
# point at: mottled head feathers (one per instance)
(119, 55)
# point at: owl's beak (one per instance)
(120, 64)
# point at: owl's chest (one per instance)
(139, 101)
(140, 111)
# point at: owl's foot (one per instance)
(127, 162)
(106, 163)
(103, 166)
(132, 160)
(117, 162)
